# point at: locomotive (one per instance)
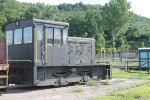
(40, 53)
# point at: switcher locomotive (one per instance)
(40, 53)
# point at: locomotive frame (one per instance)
(40, 53)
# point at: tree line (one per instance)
(112, 25)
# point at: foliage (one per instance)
(129, 30)
(141, 45)
(115, 15)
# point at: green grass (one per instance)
(107, 98)
(141, 92)
(137, 93)
(93, 83)
(77, 89)
(117, 73)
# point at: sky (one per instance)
(140, 7)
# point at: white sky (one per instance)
(140, 7)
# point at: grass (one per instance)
(105, 82)
(93, 83)
(117, 73)
(137, 93)
(140, 92)
(106, 98)
(78, 89)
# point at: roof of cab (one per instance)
(40, 21)
(28, 22)
(50, 22)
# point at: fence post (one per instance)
(126, 64)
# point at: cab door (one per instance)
(40, 44)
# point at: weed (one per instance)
(77, 89)
(93, 83)
(105, 82)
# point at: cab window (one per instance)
(9, 35)
(50, 36)
(57, 36)
(40, 32)
(65, 35)
(18, 36)
(27, 35)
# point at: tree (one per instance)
(50, 12)
(32, 12)
(107, 24)
(115, 15)
(93, 23)
(141, 45)
(77, 23)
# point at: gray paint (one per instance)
(72, 62)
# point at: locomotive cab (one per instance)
(29, 41)
(40, 53)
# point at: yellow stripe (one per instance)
(6, 49)
(20, 60)
(35, 44)
(46, 48)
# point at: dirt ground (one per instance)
(66, 93)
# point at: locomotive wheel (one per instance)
(86, 78)
(62, 81)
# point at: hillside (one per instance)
(85, 21)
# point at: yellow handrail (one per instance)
(102, 52)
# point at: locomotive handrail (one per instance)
(19, 60)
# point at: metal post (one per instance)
(127, 66)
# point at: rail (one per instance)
(19, 60)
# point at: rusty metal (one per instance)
(4, 76)
(3, 70)
(1, 53)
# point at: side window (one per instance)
(9, 35)
(18, 36)
(57, 36)
(27, 35)
(143, 54)
(65, 35)
(40, 32)
(50, 36)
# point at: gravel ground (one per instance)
(65, 93)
